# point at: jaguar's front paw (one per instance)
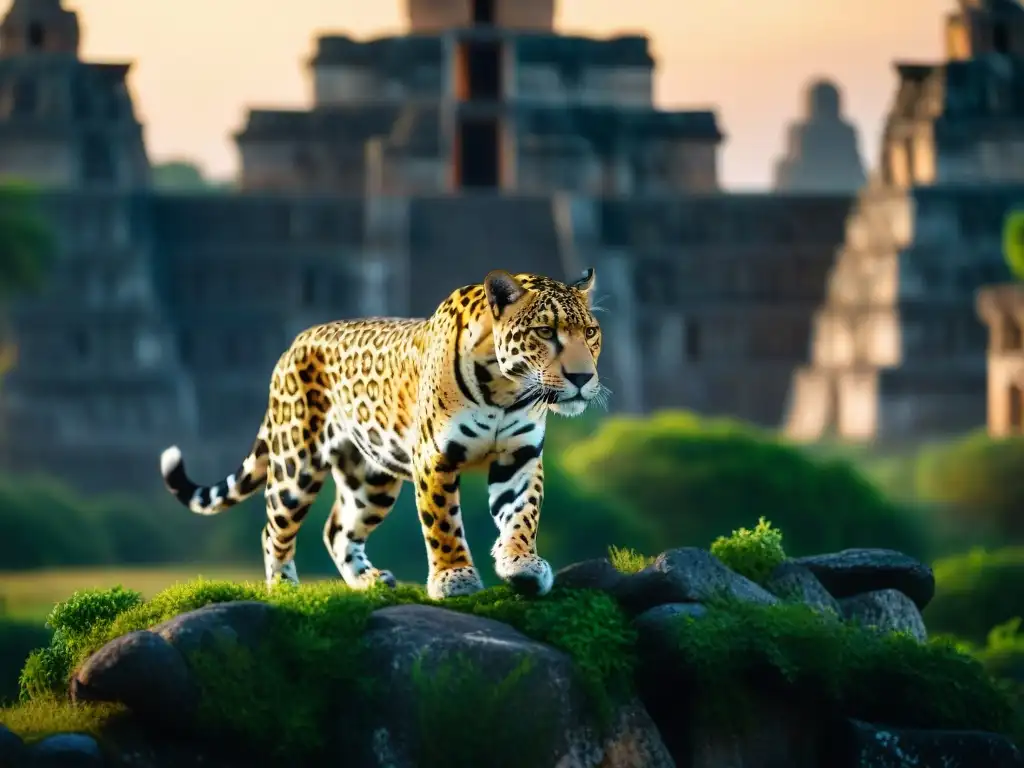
(453, 582)
(527, 574)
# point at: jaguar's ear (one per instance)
(586, 283)
(503, 291)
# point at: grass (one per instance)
(312, 649)
(628, 560)
(35, 720)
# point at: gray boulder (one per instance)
(512, 700)
(66, 750)
(855, 571)
(790, 581)
(868, 744)
(887, 610)
(686, 575)
(590, 574)
(145, 673)
(217, 627)
(12, 749)
(655, 626)
(149, 671)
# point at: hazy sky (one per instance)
(200, 63)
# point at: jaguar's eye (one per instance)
(544, 332)
(591, 332)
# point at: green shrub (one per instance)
(313, 648)
(688, 478)
(49, 526)
(977, 485)
(754, 554)
(52, 527)
(975, 592)
(1003, 657)
(887, 678)
(17, 640)
(89, 607)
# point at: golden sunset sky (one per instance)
(200, 63)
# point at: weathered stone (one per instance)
(887, 610)
(686, 575)
(66, 750)
(590, 574)
(855, 571)
(145, 673)
(790, 581)
(769, 734)
(874, 745)
(657, 624)
(479, 671)
(636, 742)
(217, 627)
(12, 749)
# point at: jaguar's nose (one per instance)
(578, 380)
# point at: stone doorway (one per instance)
(479, 154)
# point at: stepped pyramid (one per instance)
(897, 352)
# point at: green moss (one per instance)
(313, 648)
(526, 735)
(628, 560)
(888, 678)
(754, 554)
(89, 607)
(39, 718)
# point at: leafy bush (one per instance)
(888, 678)
(51, 527)
(316, 630)
(977, 484)
(687, 478)
(754, 554)
(975, 592)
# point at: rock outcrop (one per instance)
(447, 682)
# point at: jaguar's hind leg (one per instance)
(288, 502)
(365, 496)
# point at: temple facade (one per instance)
(481, 94)
(481, 139)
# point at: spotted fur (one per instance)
(380, 401)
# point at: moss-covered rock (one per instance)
(272, 685)
(322, 670)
